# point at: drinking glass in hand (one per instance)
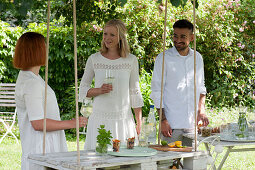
(86, 108)
(109, 78)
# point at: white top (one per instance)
(29, 96)
(112, 109)
(178, 92)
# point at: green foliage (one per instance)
(90, 11)
(229, 57)
(145, 29)
(103, 138)
(145, 86)
(22, 12)
(181, 3)
(8, 38)
(225, 38)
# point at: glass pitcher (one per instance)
(242, 124)
(146, 129)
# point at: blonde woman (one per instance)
(116, 90)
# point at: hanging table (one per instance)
(91, 160)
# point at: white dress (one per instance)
(29, 96)
(113, 109)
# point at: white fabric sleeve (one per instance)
(156, 81)
(201, 79)
(34, 100)
(136, 98)
(86, 79)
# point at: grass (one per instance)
(10, 151)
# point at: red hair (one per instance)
(30, 51)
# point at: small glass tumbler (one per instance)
(116, 145)
(131, 143)
(206, 131)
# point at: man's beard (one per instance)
(181, 48)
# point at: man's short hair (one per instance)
(30, 51)
(183, 23)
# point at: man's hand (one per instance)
(203, 118)
(166, 129)
(201, 111)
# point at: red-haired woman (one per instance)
(30, 55)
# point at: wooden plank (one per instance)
(7, 92)
(166, 148)
(10, 113)
(7, 88)
(8, 84)
(8, 105)
(7, 101)
(7, 97)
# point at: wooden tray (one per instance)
(166, 148)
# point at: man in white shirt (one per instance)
(178, 88)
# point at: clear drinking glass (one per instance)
(86, 110)
(109, 79)
(86, 107)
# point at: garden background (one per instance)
(225, 38)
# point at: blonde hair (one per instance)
(122, 31)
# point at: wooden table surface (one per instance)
(91, 160)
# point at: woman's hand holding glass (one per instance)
(83, 121)
(107, 86)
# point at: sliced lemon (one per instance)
(178, 143)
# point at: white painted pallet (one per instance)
(89, 160)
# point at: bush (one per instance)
(226, 35)
(225, 38)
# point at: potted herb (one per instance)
(103, 139)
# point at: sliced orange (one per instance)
(116, 140)
(171, 145)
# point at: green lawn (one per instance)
(10, 153)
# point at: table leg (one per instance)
(209, 153)
(195, 163)
(225, 157)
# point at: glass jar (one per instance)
(101, 149)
